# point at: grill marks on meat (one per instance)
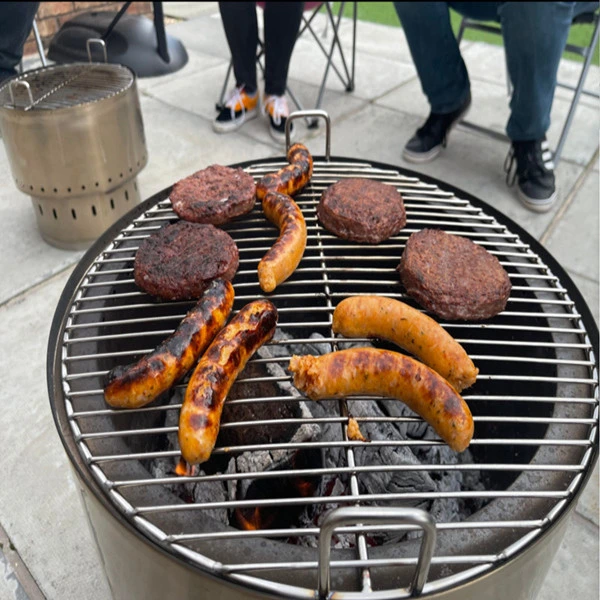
(292, 178)
(285, 255)
(360, 371)
(200, 416)
(362, 210)
(453, 277)
(137, 385)
(181, 259)
(275, 191)
(214, 195)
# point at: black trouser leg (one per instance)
(282, 23)
(16, 21)
(241, 30)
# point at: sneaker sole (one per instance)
(423, 157)
(539, 206)
(229, 126)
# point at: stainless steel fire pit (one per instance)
(535, 406)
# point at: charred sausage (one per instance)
(417, 333)
(283, 258)
(292, 178)
(138, 384)
(200, 416)
(385, 373)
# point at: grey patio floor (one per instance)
(46, 549)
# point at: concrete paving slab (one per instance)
(574, 571)
(197, 62)
(490, 109)
(582, 215)
(180, 143)
(21, 243)
(203, 34)
(487, 62)
(40, 509)
(189, 10)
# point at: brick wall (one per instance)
(51, 15)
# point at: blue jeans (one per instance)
(16, 21)
(535, 35)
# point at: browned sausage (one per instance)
(200, 416)
(385, 373)
(290, 179)
(283, 258)
(139, 384)
(419, 334)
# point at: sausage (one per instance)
(283, 258)
(292, 178)
(200, 416)
(138, 384)
(385, 373)
(412, 330)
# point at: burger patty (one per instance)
(362, 210)
(214, 195)
(453, 277)
(180, 260)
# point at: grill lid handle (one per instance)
(88, 45)
(373, 515)
(25, 84)
(299, 114)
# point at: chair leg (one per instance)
(584, 71)
(38, 43)
(219, 105)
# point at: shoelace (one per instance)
(531, 158)
(279, 108)
(235, 98)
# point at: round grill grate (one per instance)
(65, 86)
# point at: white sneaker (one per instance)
(239, 108)
(276, 107)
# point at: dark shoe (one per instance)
(534, 173)
(429, 140)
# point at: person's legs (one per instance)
(16, 21)
(434, 50)
(442, 73)
(282, 23)
(535, 35)
(241, 30)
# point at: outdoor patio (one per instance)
(46, 548)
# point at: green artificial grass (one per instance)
(385, 14)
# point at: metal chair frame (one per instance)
(345, 75)
(587, 52)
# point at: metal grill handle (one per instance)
(88, 45)
(354, 515)
(298, 114)
(27, 87)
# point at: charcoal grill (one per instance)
(535, 406)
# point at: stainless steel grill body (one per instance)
(535, 407)
(75, 141)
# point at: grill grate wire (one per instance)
(112, 322)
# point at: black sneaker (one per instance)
(534, 173)
(429, 140)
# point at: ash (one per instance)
(408, 427)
